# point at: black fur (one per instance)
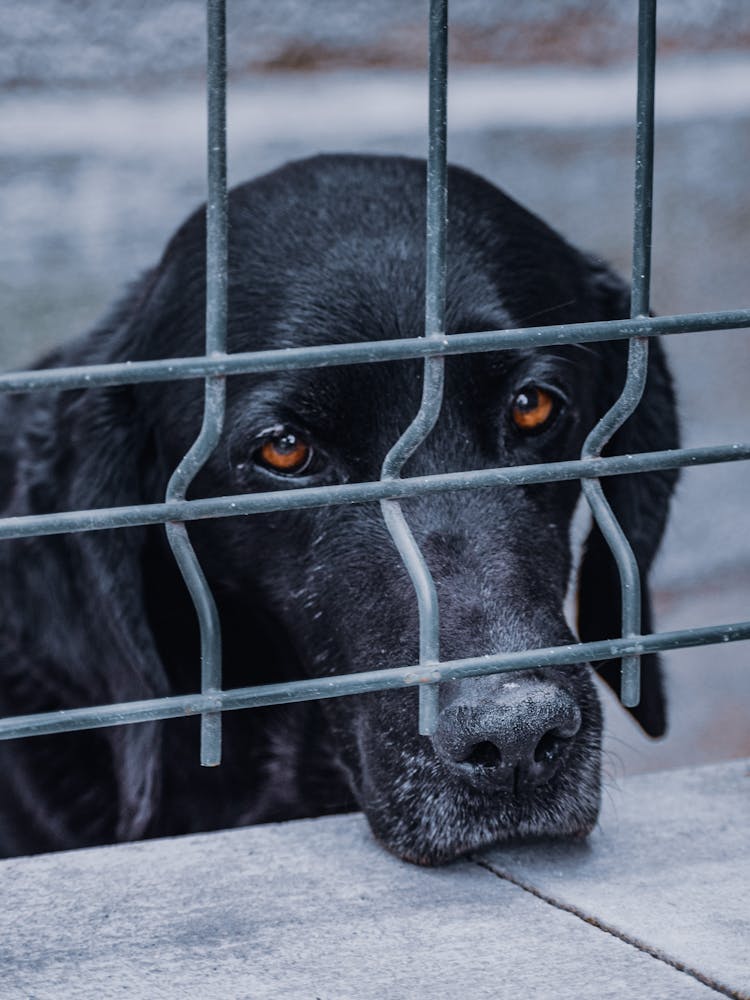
(323, 250)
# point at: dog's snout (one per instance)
(512, 742)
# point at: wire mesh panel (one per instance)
(215, 366)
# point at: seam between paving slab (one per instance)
(602, 925)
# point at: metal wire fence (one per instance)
(216, 365)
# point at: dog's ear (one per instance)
(109, 633)
(640, 502)
(118, 463)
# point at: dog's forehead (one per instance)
(361, 288)
(332, 250)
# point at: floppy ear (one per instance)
(640, 503)
(83, 636)
(115, 463)
(109, 631)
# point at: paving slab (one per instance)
(668, 867)
(315, 909)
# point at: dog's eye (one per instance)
(285, 452)
(534, 409)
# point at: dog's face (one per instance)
(331, 250)
(501, 563)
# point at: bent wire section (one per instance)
(434, 367)
(637, 368)
(215, 389)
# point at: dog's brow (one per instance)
(538, 363)
(305, 397)
(584, 349)
(542, 312)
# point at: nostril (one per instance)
(549, 747)
(484, 754)
(512, 743)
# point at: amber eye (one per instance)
(533, 408)
(285, 452)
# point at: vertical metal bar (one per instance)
(637, 371)
(216, 209)
(215, 386)
(437, 172)
(644, 159)
(434, 368)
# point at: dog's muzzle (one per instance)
(511, 738)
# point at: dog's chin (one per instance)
(432, 821)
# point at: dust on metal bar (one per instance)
(215, 389)
(637, 367)
(399, 678)
(434, 367)
(368, 352)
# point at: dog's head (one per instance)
(332, 250)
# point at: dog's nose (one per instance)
(513, 741)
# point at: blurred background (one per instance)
(102, 156)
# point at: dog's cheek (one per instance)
(377, 742)
(578, 785)
(402, 787)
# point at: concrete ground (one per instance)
(654, 904)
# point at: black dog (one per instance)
(326, 250)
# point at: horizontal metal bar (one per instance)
(98, 717)
(323, 496)
(174, 369)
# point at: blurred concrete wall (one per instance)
(140, 41)
(102, 155)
